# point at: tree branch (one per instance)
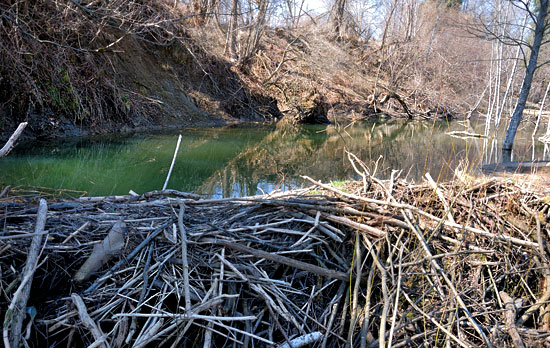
(11, 141)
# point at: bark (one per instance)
(526, 85)
(338, 18)
(232, 32)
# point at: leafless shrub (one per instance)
(61, 57)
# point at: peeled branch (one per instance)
(103, 252)
(11, 141)
(303, 340)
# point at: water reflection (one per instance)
(224, 162)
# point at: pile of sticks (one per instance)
(366, 264)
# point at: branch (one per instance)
(89, 323)
(11, 141)
(16, 311)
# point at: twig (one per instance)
(435, 322)
(440, 271)
(80, 229)
(373, 231)
(335, 304)
(185, 262)
(4, 191)
(354, 300)
(284, 260)
(501, 237)
(396, 305)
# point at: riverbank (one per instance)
(69, 74)
(354, 262)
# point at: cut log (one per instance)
(111, 245)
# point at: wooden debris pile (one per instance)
(368, 264)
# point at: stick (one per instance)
(440, 271)
(501, 237)
(129, 258)
(396, 306)
(284, 260)
(16, 311)
(4, 191)
(11, 141)
(335, 304)
(185, 262)
(151, 333)
(510, 319)
(541, 301)
(80, 229)
(304, 340)
(172, 164)
(89, 322)
(354, 305)
(435, 322)
(375, 232)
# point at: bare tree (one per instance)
(539, 17)
(338, 10)
(231, 42)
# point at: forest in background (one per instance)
(74, 66)
(363, 263)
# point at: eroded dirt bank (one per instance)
(70, 68)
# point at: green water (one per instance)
(238, 161)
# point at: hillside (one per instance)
(70, 69)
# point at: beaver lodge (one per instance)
(364, 264)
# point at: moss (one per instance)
(65, 77)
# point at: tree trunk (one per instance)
(338, 17)
(526, 86)
(232, 32)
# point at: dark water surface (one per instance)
(249, 160)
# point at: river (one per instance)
(248, 160)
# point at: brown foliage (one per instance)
(60, 57)
(440, 67)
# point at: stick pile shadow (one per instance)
(364, 264)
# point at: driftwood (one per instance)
(511, 310)
(393, 95)
(10, 144)
(465, 134)
(13, 321)
(371, 263)
(103, 252)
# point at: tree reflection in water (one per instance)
(239, 161)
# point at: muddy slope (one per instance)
(67, 70)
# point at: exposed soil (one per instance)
(86, 77)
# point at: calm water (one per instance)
(224, 162)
